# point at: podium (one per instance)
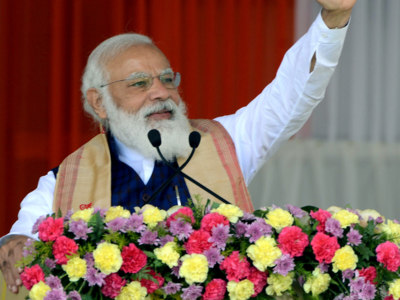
(5, 294)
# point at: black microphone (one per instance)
(194, 141)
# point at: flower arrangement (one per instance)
(213, 252)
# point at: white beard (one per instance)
(132, 128)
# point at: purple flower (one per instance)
(357, 284)
(89, 259)
(53, 282)
(274, 207)
(68, 215)
(220, 235)
(284, 265)
(134, 223)
(29, 248)
(323, 267)
(378, 220)
(51, 264)
(241, 229)
(80, 229)
(116, 224)
(172, 288)
(301, 280)
(266, 228)
(35, 228)
(248, 216)
(333, 226)
(356, 212)
(149, 238)
(74, 295)
(175, 270)
(352, 296)
(166, 239)
(354, 237)
(395, 221)
(102, 211)
(213, 256)
(58, 294)
(181, 229)
(347, 274)
(94, 277)
(207, 209)
(254, 232)
(295, 211)
(339, 297)
(368, 292)
(192, 292)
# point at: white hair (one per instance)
(95, 72)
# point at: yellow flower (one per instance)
(241, 290)
(277, 284)
(107, 258)
(365, 214)
(344, 259)
(264, 253)
(117, 212)
(279, 219)
(394, 289)
(153, 215)
(84, 215)
(232, 212)
(167, 254)
(132, 291)
(318, 283)
(392, 229)
(38, 291)
(75, 268)
(346, 218)
(194, 268)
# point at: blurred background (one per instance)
(227, 51)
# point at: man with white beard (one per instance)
(130, 88)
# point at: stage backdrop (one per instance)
(226, 51)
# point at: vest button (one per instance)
(145, 197)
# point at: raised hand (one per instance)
(10, 253)
(336, 13)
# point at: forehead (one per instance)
(140, 58)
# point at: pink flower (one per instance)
(62, 247)
(259, 279)
(389, 255)
(321, 216)
(292, 241)
(113, 285)
(324, 247)
(236, 267)
(369, 274)
(198, 242)
(32, 276)
(183, 212)
(211, 220)
(50, 229)
(150, 285)
(215, 290)
(133, 258)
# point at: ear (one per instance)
(96, 102)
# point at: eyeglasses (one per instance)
(142, 82)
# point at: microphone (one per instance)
(194, 141)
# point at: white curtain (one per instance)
(349, 150)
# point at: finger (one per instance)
(8, 277)
(14, 289)
(14, 271)
(18, 282)
(20, 270)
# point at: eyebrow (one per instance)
(136, 75)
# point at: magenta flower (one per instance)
(57, 294)
(220, 235)
(333, 226)
(354, 237)
(54, 282)
(116, 225)
(94, 277)
(192, 292)
(213, 256)
(50, 263)
(295, 211)
(166, 239)
(284, 265)
(149, 238)
(172, 288)
(181, 229)
(135, 224)
(74, 295)
(35, 228)
(241, 229)
(80, 229)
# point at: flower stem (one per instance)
(83, 284)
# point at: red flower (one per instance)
(390, 297)
(292, 241)
(211, 220)
(50, 229)
(259, 279)
(31, 276)
(150, 285)
(181, 213)
(133, 259)
(388, 253)
(113, 284)
(369, 274)
(321, 216)
(215, 290)
(64, 246)
(324, 247)
(236, 267)
(198, 242)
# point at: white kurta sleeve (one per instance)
(35, 204)
(283, 107)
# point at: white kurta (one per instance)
(257, 130)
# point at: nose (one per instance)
(158, 91)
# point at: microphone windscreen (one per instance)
(154, 137)
(194, 139)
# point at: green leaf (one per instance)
(98, 228)
(150, 254)
(364, 251)
(59, 213)
(87, 297)
(309, 208)
(215, 205)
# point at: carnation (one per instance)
(75, 268)
(132, 291)
(292, 241)
(133, 259)
(84, 214)
(279, 218)
(198, 242)
(167, 254)
(394, 289)
(62, 247)
(112, 285)
(389, 255)
(185, 213)
(107, 258)
(50, 229)
(392, 229)
(38, 291)
(324, 247)
(346, 218)
(153, 215)
(344, 259)
(264, 253)
(321, 216)
(150, 285)
(212, 220)
(277, 284)
(232, 212)
(240, 290)
(236, 267)
(318, 283)
(215, 290)
(32, 276)
(259, 279)
(194, 268)
(369, 274)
